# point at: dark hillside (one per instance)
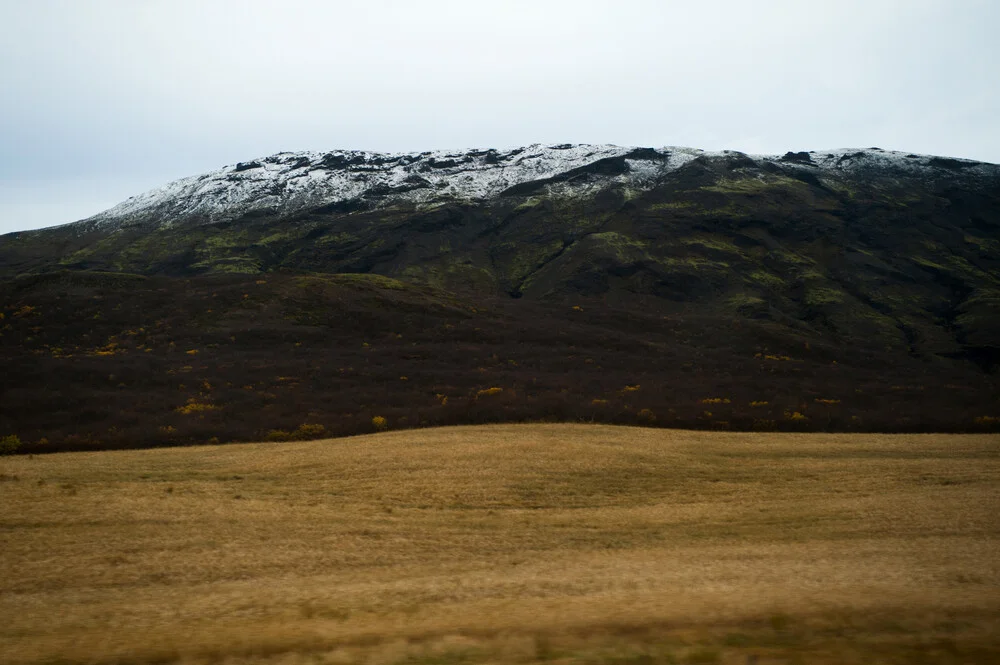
(103, 360)
(850, 290)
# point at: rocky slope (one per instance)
(856, 243)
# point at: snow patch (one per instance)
(299, 181)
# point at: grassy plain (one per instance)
(507, 544)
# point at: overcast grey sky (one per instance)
(103, 99)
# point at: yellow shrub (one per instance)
(109, 349)
(827, 401)
(987, 420)
(304, 431)
(9, 444)
(631, 389)
(647, 415)
(795, 415)
(758, 403)
(598, 402)
(488, 391)
(309, 431)
(715, 400)
(380, 424)
(194, 406)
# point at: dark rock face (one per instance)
(945, 163)
(797, 157)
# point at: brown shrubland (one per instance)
(507, 544)
(101, 361)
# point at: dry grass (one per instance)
(507, 544)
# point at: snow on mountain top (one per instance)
(298, 181)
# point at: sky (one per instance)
(104, 99)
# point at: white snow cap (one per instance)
(297, 181)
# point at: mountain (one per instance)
(848, 262)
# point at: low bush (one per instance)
(9, 444)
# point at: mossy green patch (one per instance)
(234, 264)
(224, 239)
(790, 258)
(812, 275)
(956, 266)
(282, 236)
(715, 243)
(674, 205)
(528, 204)
(823, 297)
(743, 298)
(757, 185)
(341, 238)
(692, 264)
(767, 280)
(988, 297)
(990, 246)
(623, 248)
(746, 304)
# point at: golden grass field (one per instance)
(508, 544)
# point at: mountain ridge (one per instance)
(294, 181)
(875, 243)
